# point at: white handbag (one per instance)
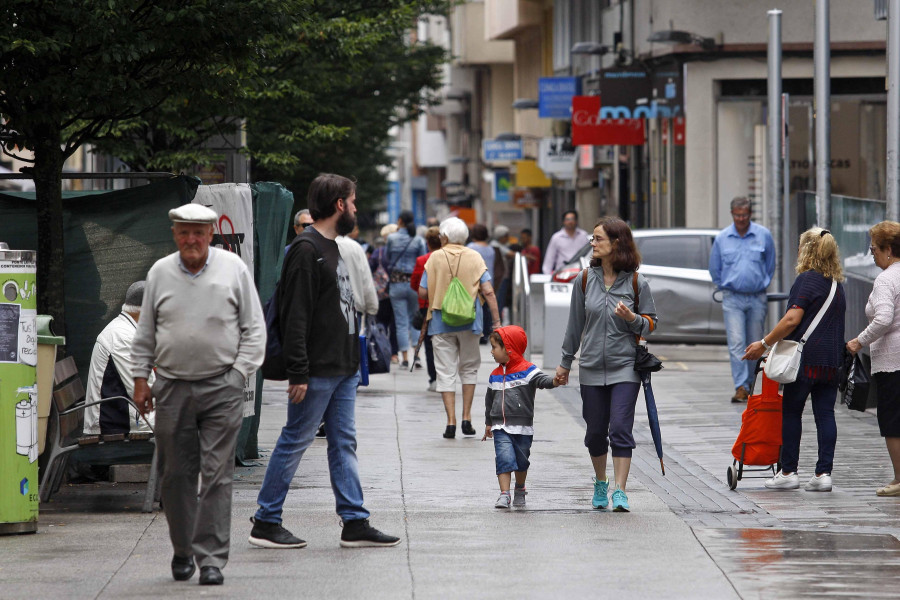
(783, 362)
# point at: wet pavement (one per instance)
(688, 535)
(784, 563)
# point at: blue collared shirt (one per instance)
(185, 270)
(743, 264)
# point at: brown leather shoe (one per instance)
(740, 395)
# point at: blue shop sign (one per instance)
(555, 96)
(502, 149)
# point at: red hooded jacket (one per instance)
(511, 387)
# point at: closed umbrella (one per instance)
(646, 363)
(653, 418)
(415, 357)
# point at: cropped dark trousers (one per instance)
(608, 411)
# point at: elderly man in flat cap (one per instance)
(202, 328)
(110, 373)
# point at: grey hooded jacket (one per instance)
(607, 342)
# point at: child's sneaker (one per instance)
(502, 501)
(601, 489)
(519, 497)
(620, 501)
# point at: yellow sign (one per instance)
(528, 174)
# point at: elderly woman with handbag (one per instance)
(450, 272)
(814, 319)
(605, 320)
(883, 338)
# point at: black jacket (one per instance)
(316, 314)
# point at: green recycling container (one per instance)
(18, 393)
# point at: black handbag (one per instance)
(855, 386)
(379, 348)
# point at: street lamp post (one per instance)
(822, 59)
(893, 112)
(773, 145)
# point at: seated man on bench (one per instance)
(110, 373)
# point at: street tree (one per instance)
(71, 72)
(358, 71)
(323, 97)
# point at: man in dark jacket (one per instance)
(321, 350)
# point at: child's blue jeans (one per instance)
(511, 451)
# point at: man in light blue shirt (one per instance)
(741, 264)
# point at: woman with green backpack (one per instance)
(456, 283)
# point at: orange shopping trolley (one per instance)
(759, 442)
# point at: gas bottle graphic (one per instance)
(26, 423)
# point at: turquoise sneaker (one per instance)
(620, 501)
(601, 489)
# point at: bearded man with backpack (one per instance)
(319, 337)
(456, 284)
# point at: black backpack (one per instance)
(274, 366)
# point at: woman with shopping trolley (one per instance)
(817, 289)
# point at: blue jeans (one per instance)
(405, 303)
(745, 317)
(511, 451)
(329, 399)
(823, 398)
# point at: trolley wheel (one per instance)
(732, 477)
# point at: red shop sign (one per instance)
(589, 129)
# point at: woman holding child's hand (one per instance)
(611, 308)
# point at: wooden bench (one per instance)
(65, 437)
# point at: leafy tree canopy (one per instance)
(324, 92)
(72, 71)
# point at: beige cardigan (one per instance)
(451, 260)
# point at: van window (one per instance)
(683, 251)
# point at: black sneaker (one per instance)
(467, 428)
(450, 432)
(320, 432)
(359, 534)
(273, 535)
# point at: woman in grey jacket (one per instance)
(605, 323)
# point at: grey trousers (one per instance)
(197, 424)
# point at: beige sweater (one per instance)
(451, 260)
(883, 333)
(196, 328)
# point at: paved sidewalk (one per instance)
(687, 537)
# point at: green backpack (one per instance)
(458, 307)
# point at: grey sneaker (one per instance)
(783, 482)
(819, 483)
(502, 501)
(519, 497)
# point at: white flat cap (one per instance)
(500, 231)
(193, 213)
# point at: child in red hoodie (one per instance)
(509, 409)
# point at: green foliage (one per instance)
(358, 73)
(321, 94)
(80, 69)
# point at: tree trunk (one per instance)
(48, 163)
